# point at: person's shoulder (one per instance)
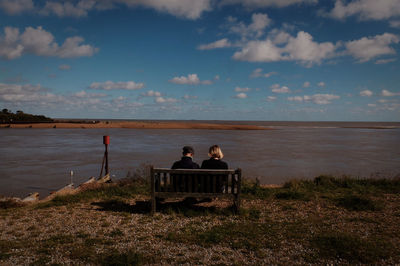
(196, 165)
(205, 163)
(175, 165)
(224, 164)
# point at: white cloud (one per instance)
(190, 9)
(191, 79)
(259, 51)
(316, 98)
(366, 9)
(366, 93)
(15, 7)
(64, 67)
(28, 93)
(110, 85)
(367, 48)
(238, 89)
(387, 93)
(151, 93)
(267, 3)
(395, 24)
(223, 43)
(321, 84)
(41, 43)
(84, 94)
(301, 48)
(68, 9)
(306, 84)
(278, 89)
(165, 100)
(258, 73)
(371, 105)
(254, 30)
(241, 95)
(322, 98)
(271, 98)
(385, 61)
(296, 99)
(188, 97)
(35, 96)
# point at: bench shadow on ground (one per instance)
(187, 207)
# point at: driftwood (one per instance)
(196, 183)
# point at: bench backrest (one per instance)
(196, 180)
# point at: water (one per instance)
(41, 159)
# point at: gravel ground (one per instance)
(93, 232)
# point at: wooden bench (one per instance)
(195, 183)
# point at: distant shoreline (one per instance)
(136, 125)
(210, 125)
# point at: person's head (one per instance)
(215, 152)
(188, 151)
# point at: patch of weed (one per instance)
(251, 189)
(292, 194)
(358, 203)
(247, 235)
(129, 257)
(350, 247)
(116, 233)
(10, 204)
(250, 213)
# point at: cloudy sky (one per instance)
(202, 59)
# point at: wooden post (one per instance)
(153, 188)
(106, 141)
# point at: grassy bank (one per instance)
(320, 221)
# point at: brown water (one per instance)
(41, 159)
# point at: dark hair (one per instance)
(188, 149)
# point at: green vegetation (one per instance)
(8, 117)
(122, 189)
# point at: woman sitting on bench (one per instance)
(215, 161)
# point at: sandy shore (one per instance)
(137, 125)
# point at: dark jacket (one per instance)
(185, 163)
(214, 164)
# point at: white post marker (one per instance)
(71, 174)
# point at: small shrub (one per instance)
(358, 203)
(10, 203)
(251, 213)
(115, 233)
(248, 235)
(292, 194)
(253, 189)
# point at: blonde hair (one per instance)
(215, 152)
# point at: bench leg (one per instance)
(236, 204)
(153, 205)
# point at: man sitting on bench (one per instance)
(186, 161)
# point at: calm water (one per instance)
(41, 159)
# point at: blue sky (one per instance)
(308, 60)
